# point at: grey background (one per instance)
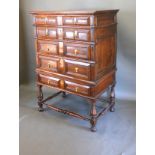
(126, 59)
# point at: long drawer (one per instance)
(64, 84)
(65, 66)
(64, 33)
(75, 85)
(63, 20)
(67, 49)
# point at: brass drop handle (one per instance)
(76, 69)
(76, 89)
(76, 51)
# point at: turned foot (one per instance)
(93, 125)
(64, 94)
(40, 98)
(112, 98)
(112, 109)
(93, 129)
(40, 109)
(93, 116)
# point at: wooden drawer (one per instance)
(48, 80)
(44, 32)
(40, 20)
(64, 84)
(77, 51)
(76, 20)
(77, 88)
(50, 64)
(82, 51)
(77, 69)
(76, 34)
(48, 47)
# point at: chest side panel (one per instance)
(105, 50)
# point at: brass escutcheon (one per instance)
(62, 84)
(49, 65)
(46, 32)
(76, 69)
(76, 51)
(61, 63)
(48, 82)
(76, 89)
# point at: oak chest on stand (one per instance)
(76, 53)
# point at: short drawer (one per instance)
(48, 47)
(76, 20)
(76, 34)
(77, 69)
(41, 20)
(49, 64)
(77, 88)
(77, 51)
(51, 81)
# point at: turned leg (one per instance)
(63, 94)
(93, 116)
(40, 98)
(112, 98)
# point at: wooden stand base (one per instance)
(93, 113)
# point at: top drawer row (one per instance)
(63, 20)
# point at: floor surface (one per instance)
(52, 133)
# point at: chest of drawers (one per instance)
(76, 53)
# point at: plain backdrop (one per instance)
(126, 58)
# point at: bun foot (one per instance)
(40, 109)
(112, 109)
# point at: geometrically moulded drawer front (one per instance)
(63, 33)
(72, 68)
(44, 32)
(64, 84)
(62, 20)
(51, 81)
(72, 50)
(48, 47)
(81, 51)
(78, 88)
(41, 20)
(77, 69)
(75, 85)
(48, 64)
(76, 34)
(76, 20)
